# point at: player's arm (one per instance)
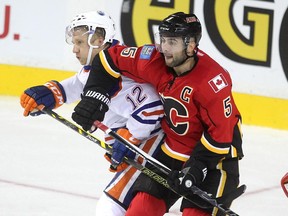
(103, 77)
(206, 155)
(95, 97)
(222, 138)
(110, 64)
(73, 86)
(53, 94)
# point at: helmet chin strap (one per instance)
(89, 55)
(187, 57)
(186, 42)
(91, 47)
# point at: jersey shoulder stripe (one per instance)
(106, 65)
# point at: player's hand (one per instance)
(51, 95)
(92, 107)
(119, 150)
(122, 166)
(192, 174)
(181, 181)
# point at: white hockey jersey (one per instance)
(138, 108)
(134, 106)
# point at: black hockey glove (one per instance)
(193, 173)
(92, 107)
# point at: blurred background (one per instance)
(248, 37)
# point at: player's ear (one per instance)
(191, 47)
(101, 40)
(97, 40)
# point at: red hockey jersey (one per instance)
(199, 106)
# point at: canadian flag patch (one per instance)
(218, 83)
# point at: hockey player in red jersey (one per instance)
(203, 142)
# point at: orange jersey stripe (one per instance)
(157, 112)
(117, 189)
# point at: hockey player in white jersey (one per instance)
(135, 108)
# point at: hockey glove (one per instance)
(119, 151)
(92, 107)
(51, 95)
(122, 166)
(192, 174)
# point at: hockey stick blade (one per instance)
(284, 184)
(218, 201)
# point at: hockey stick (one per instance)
(284, 184)
(132, 147)
(108, 148)
(105, 146)
(210, 201)
(165, 170)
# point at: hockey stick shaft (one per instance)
(161, 180)
(77, 129)
(165, 170)
(105, 146)
(132, 147)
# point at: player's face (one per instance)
(174, 50)
(80, 46)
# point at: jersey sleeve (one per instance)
(222, 137)
(73, 86)
(105, 70)
(135, 62)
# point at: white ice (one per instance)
(47, 169)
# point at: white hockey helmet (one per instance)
(93, 20)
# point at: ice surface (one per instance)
(47, 169)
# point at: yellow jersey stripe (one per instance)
(212, 148)
(107, 67)
(239, 127)
(165, 148)
(222, 183)
(233, 152)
